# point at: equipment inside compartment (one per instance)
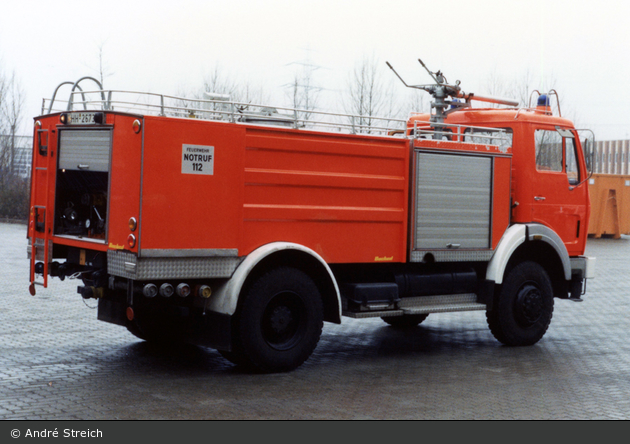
(81, 206)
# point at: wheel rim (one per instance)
(283, 322)
(529, 304)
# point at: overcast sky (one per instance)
(579, 48)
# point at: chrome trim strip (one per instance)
(453, 255)
(127, 265)
(193, 252)
(80, 238)
(460, 152)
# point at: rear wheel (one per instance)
(278, 323)
(151, 332)
(523, 306)
(133, 328)
(405, 321)
(155, 324)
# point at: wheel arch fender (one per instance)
(226, 296)
(517, 235)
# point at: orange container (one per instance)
(610, 205)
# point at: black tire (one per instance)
(236, 357)
(164, 336)
(523, 306)
(278, 323)
(149, 327)
(405, 321)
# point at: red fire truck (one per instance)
(244, 228)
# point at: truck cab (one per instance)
(549, 170)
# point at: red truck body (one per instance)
(246, 235)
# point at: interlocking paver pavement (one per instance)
(58, 362)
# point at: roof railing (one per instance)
(218, 107)
(136, 102)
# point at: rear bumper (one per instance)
(207, 329)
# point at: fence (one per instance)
(21, 162)
(612, 157)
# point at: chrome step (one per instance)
(440, 304)
(424, 305)
(372, 314)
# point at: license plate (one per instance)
(82, 118)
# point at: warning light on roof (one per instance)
(543, 100)
(542, 107)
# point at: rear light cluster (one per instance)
(131, 239)
(182, 290)
(137, 126)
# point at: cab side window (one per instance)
(556, 151)
(571, 163)
(548, 151)
(484, 136)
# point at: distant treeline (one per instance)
(14, 197)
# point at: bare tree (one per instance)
(526, 89)
(417, 102)
(497, 86)
(302, 91)
(102, 67)
(367, 96)
(249, 92)
(217, 82)
(222, 83)
(522, 88)
(13, 187)
(11, 108)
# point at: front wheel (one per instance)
(278, 323)
(523, 306)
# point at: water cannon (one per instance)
(441, 90)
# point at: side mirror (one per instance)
(589, 154)
(588, 148)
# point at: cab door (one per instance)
(560, 191)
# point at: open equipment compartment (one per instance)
(82, 186)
